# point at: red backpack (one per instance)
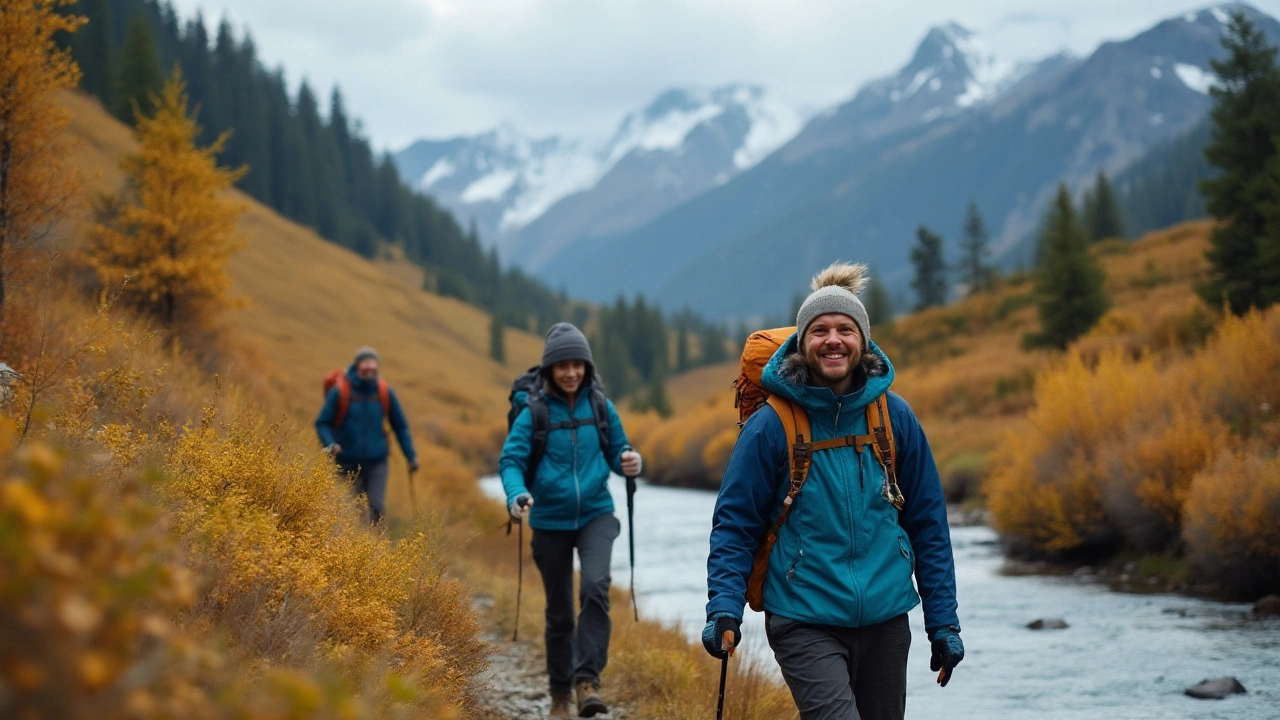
(338, 378)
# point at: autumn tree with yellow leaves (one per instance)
(166, 240)
(34, 183)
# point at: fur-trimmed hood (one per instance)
(787, 374)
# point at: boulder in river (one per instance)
(1215, 689)
(1268, 606)
(1048, 624)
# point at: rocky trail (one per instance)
(515, 685)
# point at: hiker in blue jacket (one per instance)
(566, 501)
(838, 585)
(357, 439)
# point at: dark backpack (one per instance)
(527, 391)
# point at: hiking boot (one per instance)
(589, 702)
(560, 707)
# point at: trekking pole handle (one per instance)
(726, 642)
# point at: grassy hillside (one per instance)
(248, 490)
(962, 367)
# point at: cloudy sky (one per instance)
(435, 68)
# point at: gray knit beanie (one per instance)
(366, 352)
(565, 342)
(835, 290)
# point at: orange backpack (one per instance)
(751, 396)
(338, 378)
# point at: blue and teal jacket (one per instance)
(845, 555)
(571, 484)
(361, 435)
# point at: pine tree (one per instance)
(1246, 126)
(497, 343)
(33, 184)
(879, 305)
(169, 238)
(1069, 283)
(930, 281)
(140, 76)
(975, 272)
(93, 51)
(1102, 216)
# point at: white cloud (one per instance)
(413, 68)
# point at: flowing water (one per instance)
(1124, 656)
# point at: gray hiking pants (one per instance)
(837, 673)
(576, 651)
(371, 481)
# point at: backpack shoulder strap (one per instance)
(384, 396)
(795, 423)
(540, 415)
(343, 384)
(880, 426)
(600, 411)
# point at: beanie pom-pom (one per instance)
(850, 276)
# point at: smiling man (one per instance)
(837, 586)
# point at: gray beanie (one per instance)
(366, 352)
(565, 342)
(835, 290)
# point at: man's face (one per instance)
(833, 348)
(367, 369)
(568, 375)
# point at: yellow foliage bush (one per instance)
(1231, 530)
(1120, 454)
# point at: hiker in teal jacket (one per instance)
(566, 501)
(359, 443)
(839, 580)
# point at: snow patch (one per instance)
(490, 187)
(1156, 72)
(443, 168)
(1189, 17)
(550, 180)
(772, 124)
(1220, 15)
(1195, 77)
(989, 74)
(935, 84)
(932, 114)
(1156, 120)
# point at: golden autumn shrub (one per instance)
(1231, 531)
(1122, 453)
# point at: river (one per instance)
(1124, 657)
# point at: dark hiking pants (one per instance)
(371, 481)
(837, 673)
(576, 651)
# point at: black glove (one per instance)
(713, 633)
(948, 651)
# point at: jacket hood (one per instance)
(787, 374)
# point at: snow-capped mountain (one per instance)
(955, 125)
(677, 146)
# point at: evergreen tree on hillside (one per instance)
(173, 230)
(33, 186)
(1246, 190)
(930, 282)
(92, 50)
(1163, 188)
(1069, 282)
(1102, 217)
(975, 272)
(876, 300)
(139, 75)
(712, 345)
(497, 344)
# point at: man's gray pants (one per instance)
(576, 652)
(837, 673)
(371, 481)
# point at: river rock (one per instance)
(1215, 689)
(1268, 606)
(1048, 624)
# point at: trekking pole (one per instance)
(726, 644)
(519, 573)
(413, 501)
(631, 537)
